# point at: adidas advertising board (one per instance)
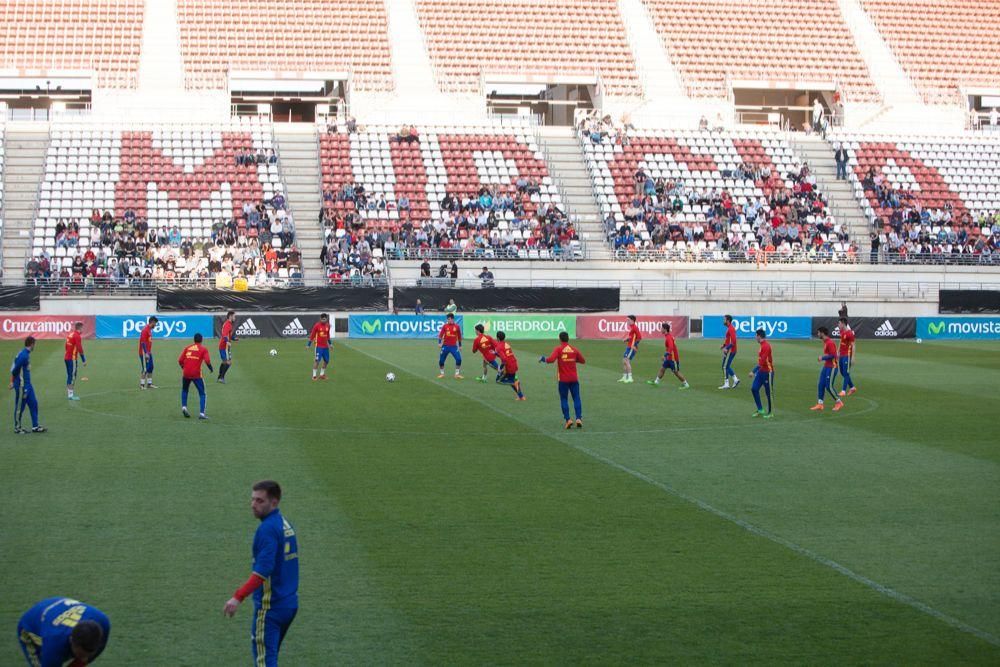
(271, 326)
(871, 328)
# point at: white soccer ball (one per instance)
(920, 340)
(273, 352)
(390, 377)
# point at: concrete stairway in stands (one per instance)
(569, 170)
(24, 165)
(814, 150)
(298, 152)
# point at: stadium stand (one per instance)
(537, 37)
(711, 41)
(284, 35)
(102, 35)
(462, 191)
(191, 202)
(942, 44)
(929, 197)
(2, 156)
(704, 196)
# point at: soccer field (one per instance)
(442, 522)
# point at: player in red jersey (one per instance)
(763, 375)
(146, 355)
(321, 335)
(508, 374)
(728, 354)
(632, 338)
(846, 358)
(566, 357)
(74, 355)
(671, 359)
(450, 343)
(190, 361)
(226, 339)
(486, 346)
(829, 361)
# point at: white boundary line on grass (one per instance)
(722, 514)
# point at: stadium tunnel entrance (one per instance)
(787, 105)
(550, 102)
(288, 98)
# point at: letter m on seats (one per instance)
(149, 174)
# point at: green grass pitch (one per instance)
(442, 522)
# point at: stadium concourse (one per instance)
(268, 188)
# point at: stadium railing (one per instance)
(826, 257)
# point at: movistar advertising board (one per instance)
(958, 328)
(522, 327)
(396, 326)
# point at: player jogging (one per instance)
(829, 361)
(146, 354)
(450, 343)
(59, 629)
(763, 375)
(566, 357)
(671, 359)
(846, 358)
(486, 346)
(74, 356)
(320, 334)
(191, 359)
(728, 354)
(508, 372)
(24, 392)
(274, 579)
(632, 338)
(226, 340)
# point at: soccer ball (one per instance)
(920, 340)
(273, 352)
(390, 377)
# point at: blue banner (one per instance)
(747, 325)
(396, 326)
(958, 328)
(169, 326)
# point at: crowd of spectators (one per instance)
(784, 224)
(258, 246)
(603, 129)
(911, 232)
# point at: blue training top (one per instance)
(19, 370)
(49, 624)
(276, 560)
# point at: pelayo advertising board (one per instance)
(169, 326)
(521, 327)
(958, 328)
(746, 325)
(396, 326)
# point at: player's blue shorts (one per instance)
(630, 352)
(323, 354)
(70, 370)
(224, 355)
(507, 378)
(146, 363)
(844, 364)
(452, 350)
(267, 631)
(671, 365)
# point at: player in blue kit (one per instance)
(274, 581)
(59, 629)
(24, 392)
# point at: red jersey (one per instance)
(450, 334)
(74, 346)
(765, 362)
(227, 335)
(634, 336)
(671, 346)
(320, 335)
(566, 357)
(506, 354)
(485, 346)
(146, 340)
(191, 360)
(830, 350)
(730, 341)
(847, 342)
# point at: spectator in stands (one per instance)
(418, 309)
(703, 124)
(453, 272)
(840, 157)
(994, 119)
(451, 308)
(352, 125)
(817, 115)
(425, 269)
(487, 277)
